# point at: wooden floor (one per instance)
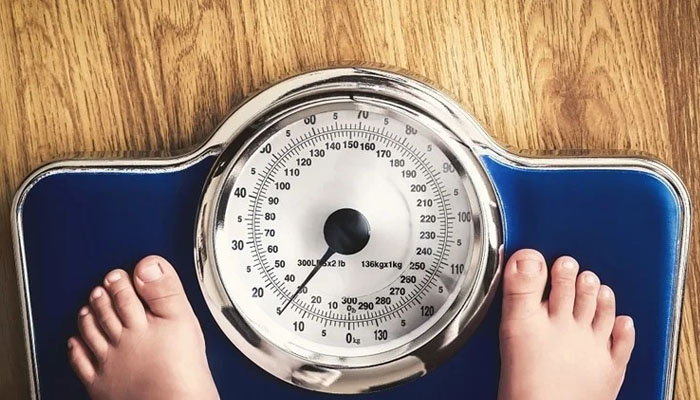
(86, 76)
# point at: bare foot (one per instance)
(570, 346)
(145, 346)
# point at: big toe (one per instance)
(524, 280)
(160, 288)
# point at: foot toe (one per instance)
(106, 315)
(587, 287)
(160, 288)
(622, 339)
(126, 302)
(92, 335)
(605, 312)
(524, 279)
(79, 359)
(563, 291)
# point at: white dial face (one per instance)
(373, 195)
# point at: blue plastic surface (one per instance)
(621, 224)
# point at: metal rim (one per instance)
(331, 374)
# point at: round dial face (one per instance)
(347, 231)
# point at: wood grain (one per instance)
(83, 76)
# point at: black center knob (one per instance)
(346, 231)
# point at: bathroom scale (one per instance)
(342, 233)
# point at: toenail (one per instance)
(84, 311)
(629, 324)
(150, 272)
(114, 276)
(605, 293)
(568, 264)
(590, 279)
(70, 344)
(96, 294)
(528, 266)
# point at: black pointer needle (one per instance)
(346, 232)
(318, 266)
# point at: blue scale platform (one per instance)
(621, 224)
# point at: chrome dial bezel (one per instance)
(322, 372)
